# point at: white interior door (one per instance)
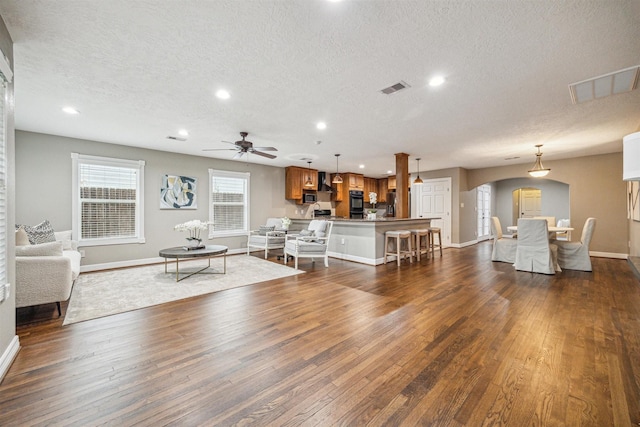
(530, 203)
(483, 212)
(433, 200)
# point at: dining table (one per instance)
(553, 231)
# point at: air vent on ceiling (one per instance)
(394, 88)
(613, 83)
(177, 138)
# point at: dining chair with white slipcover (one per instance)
(504, 250)
(533, 251)
(564, 235)
(575, 255)
(310, 243)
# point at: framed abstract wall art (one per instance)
(178, 192)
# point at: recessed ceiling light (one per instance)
(183, 132)
(70, 110)
(361, 166)
(436, 81)
(389, 171)
(321, 125)
(223, 94)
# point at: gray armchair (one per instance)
(269, 236)
(310, 243)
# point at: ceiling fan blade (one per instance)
(229, 142)
(218, 149)
(265, 148)
(259, 153)
(238, 155)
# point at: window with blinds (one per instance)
(107, 196)
(229, 203)
(3, 183)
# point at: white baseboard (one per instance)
(608, 255)
(464, 244)
(8, 356)
(361, 260)
(139, 262)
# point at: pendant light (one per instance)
(539, 170)
(418, 180)
(309, 182)
(337, 179)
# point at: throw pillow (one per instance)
(21, 237)
(264, 229)
(42, 249)
(65, 238)
(306, 233)
(41, 233)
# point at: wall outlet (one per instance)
(342, 241)
(82, 254)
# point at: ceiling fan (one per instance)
(244, 146)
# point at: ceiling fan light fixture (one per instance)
(418, 180)
(538, 171)
(337, 179)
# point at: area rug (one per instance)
(105, 293)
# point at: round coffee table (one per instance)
(208, 252)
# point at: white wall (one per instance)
(8, 338)
(43, 191)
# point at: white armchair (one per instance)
(504, 250)
(534, 252)
(575, 255)
(269, 236)
(310, 243)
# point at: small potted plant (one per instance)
(194, 228)
(373, 199)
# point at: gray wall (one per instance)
(555, 198)
(8, 307)
(43, 185)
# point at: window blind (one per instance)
(107, 200)
(229, 202)
(3, 184)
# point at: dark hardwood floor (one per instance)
(455, 341)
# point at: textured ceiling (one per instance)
(140, 70)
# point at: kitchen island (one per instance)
(361, 240)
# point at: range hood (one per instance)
(322, 183)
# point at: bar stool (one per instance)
(401, 239)
(421, 242)
(432, 245)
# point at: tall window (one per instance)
(107, 200)
(3, 181)
(229, 203)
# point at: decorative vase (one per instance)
(371, 215)
(194, 242)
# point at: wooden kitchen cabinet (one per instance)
(391, 182)
(295, 177)
(370, 186)
(355, 180)
(383, 189)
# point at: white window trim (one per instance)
(241, 175)
(78, 159)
